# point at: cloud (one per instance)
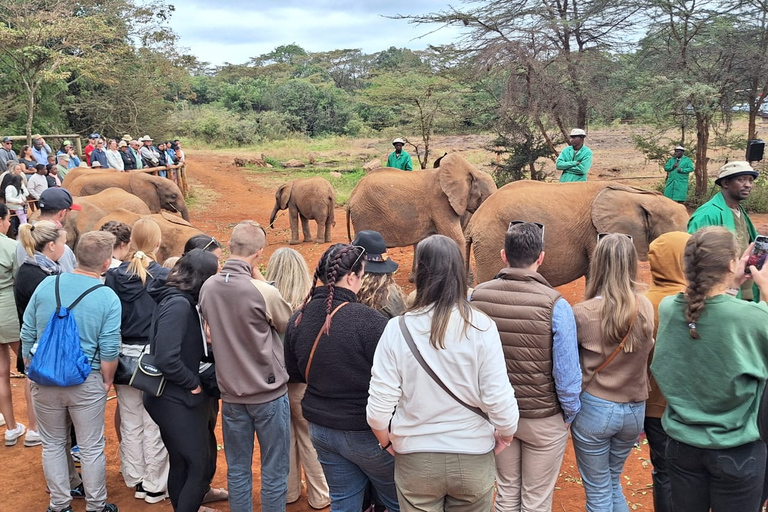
(236, 30)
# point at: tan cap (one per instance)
(122, 144)
(398, 141)
(578, 132)
(127, 137)
(732, 169)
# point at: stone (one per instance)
(373, 164)
(293, 164)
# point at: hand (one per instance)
(740, 275)
(391, 451)
(197, 390)
(107, 385)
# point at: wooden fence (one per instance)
(181, 175)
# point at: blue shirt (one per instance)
(74, 161)
(565, 359)
(41, 155)
(97, 316)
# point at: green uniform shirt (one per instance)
(401, 161)
(574, 164)
(712, 385)
(677, 179)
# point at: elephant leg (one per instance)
(320, 231)
(328, 224)
(294, 215)
(305, 228)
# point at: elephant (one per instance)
(305, 199)
(406, 207)
(573, 215)
(159, 193)
(76, 172)
(175, 231)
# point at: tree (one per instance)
(752, 64)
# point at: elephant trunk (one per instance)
(274, 214)
(184, 212)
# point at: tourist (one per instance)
(379, 289)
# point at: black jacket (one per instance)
(337, 391)
(136, 303)
(129, 162)
(25, 284)
(178, 342)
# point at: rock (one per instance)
(293, 164)
(258, 162)
(335, 174)
(373, 164)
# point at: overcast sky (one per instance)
(233, 31)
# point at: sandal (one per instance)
(213, 494)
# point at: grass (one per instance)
(200, 198)
(343, 184)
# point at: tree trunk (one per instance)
(30, 113)
(752, 131)
(702, 141)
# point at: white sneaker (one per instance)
(11, 436)
(32, 438)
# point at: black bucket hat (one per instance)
(376, 259)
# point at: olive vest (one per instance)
(521, 303)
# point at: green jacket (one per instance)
(677, 179)
(403, 161)
(575, 165)
(712, 384)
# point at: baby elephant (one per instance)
(307, 198)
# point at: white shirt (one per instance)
(114, 160)
(15, 199)
(428, 419)
(37, 185)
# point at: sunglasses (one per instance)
(362, 253)
(600, 236)
(537, 224)
(212, 241)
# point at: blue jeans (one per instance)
(351, 459)
(603, 433)
(270, 422)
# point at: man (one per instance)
(98, 321)
(399, 159)
(67, 149)
(92, 138)
(576, 159)
(246, 317)
(40, 150)
(724, 209)
(6, 153)
(37, 183)
(129, 163)
(149, 153)
(134, 148)
(678, 168)
(538, 334)
(62, 166)
(54, 205)
(99, 154)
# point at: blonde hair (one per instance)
(613, 275)
(145, 237)
(170, 262)
(708, 255)
(290, 273)
(34, 237)
(376, 291)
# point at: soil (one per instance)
(239, 196)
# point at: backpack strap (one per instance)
(81, 297)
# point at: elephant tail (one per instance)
(467, 252)
(349, 231)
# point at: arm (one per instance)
(408, 164)
(385, 389)
(565, 360)
(29, 327)
(583, 162)
(171, 330)
(670, 165)
(686, 165)
(496, 393)
(291, 361)
(277, 310)
(109, 340)
(564, 161)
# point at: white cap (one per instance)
(732, 169)
(578, 132)
(680, 148)
(398, 141)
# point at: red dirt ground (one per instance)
(243, 198)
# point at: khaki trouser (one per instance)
(303, 454)
(527, 471)
(444, 481)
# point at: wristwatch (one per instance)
(385, 447)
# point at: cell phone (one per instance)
(759, 253)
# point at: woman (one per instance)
(122, 232)
(205, 242)
(9, 328)
(615, 334)
(181, 412)
(711, 364)
(379, 289)
(27, 158)
(16, 200)
(337, 379)
(143, 458)
(114, 159)
(443, 451)
(290, 275)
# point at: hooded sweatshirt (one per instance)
(667, 278)
(136, 302)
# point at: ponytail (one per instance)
(145, 237)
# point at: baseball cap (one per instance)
(7, 139)
(94, 136)
(57, 199)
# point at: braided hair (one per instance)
(337, 261)
(707, 258)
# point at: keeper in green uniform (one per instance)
(576, 159)
(678, 168)
(399, 159)
(724, 209)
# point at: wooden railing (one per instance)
(181, 174)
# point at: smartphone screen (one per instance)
(759, 253)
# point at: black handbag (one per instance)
(147, 377)
(126, 365)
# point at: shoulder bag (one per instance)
(615, 352)
(317, 339)
(147, 377)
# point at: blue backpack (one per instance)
(59, 359)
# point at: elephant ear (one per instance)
(456, 182)
(622, 209)
(284, 194)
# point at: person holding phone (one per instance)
(678, 168)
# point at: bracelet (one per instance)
(385, 447)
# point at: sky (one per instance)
(233, 31)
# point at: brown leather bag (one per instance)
(317, 339)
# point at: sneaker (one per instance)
(12, 436)
(139, 493)
(110, 507)
(68, 509)
(32, 438)
(155, 497)
(75, 451)
(78, 492)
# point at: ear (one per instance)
(456, 183)
(283, 195)
(621, 209)
(504, 257)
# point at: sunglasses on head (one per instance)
(537, 224)
(362, 252)
(600, 236)
(212, 241)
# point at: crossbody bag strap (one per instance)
(82, 295)
(317, 339)
(616, 351)
(431, 373)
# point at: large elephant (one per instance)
(305, 199)
(573, 214)
(175, 231)
(159, 193)
(406, 207)
(76, 172)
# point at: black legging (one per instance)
(185, 433)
